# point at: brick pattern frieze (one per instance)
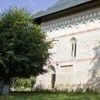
(73, 20)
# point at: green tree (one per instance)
(23, 45)
(23, 84)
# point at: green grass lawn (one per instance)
(51, 96)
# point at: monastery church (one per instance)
(74, 25)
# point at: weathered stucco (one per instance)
(73, 73)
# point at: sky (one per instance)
(33, 5)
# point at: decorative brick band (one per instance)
(90, 15)
(76, 60)
(74, 33)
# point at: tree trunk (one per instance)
(6, 89)
(6, 86)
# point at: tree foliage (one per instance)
(23, 45)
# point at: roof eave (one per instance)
(47, 14)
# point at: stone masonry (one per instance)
(79, 71)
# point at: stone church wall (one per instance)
(82, 71)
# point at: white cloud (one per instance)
(32, 2)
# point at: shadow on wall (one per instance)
(94, 83)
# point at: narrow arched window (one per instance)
(73, 47)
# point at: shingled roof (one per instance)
(62, 5)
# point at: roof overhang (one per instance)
(72, 7)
